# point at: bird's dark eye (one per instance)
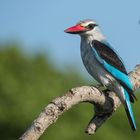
(91, 26)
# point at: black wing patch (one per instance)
(109, 55)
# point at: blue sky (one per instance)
(39, 26)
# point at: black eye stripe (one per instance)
(91, 26)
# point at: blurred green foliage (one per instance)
(29, 83)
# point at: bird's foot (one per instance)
(101, 88)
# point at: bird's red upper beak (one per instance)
(75, 29)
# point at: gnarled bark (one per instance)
(104, 104)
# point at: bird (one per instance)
(104, 64)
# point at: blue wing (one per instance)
(123, 79)
(118, 74)
(109, 55)
(113, 64)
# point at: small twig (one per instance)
(104, 106)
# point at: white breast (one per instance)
(93, 67)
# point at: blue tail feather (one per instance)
(129, 111)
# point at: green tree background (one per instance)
(28, 83)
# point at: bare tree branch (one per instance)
(104, 105)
